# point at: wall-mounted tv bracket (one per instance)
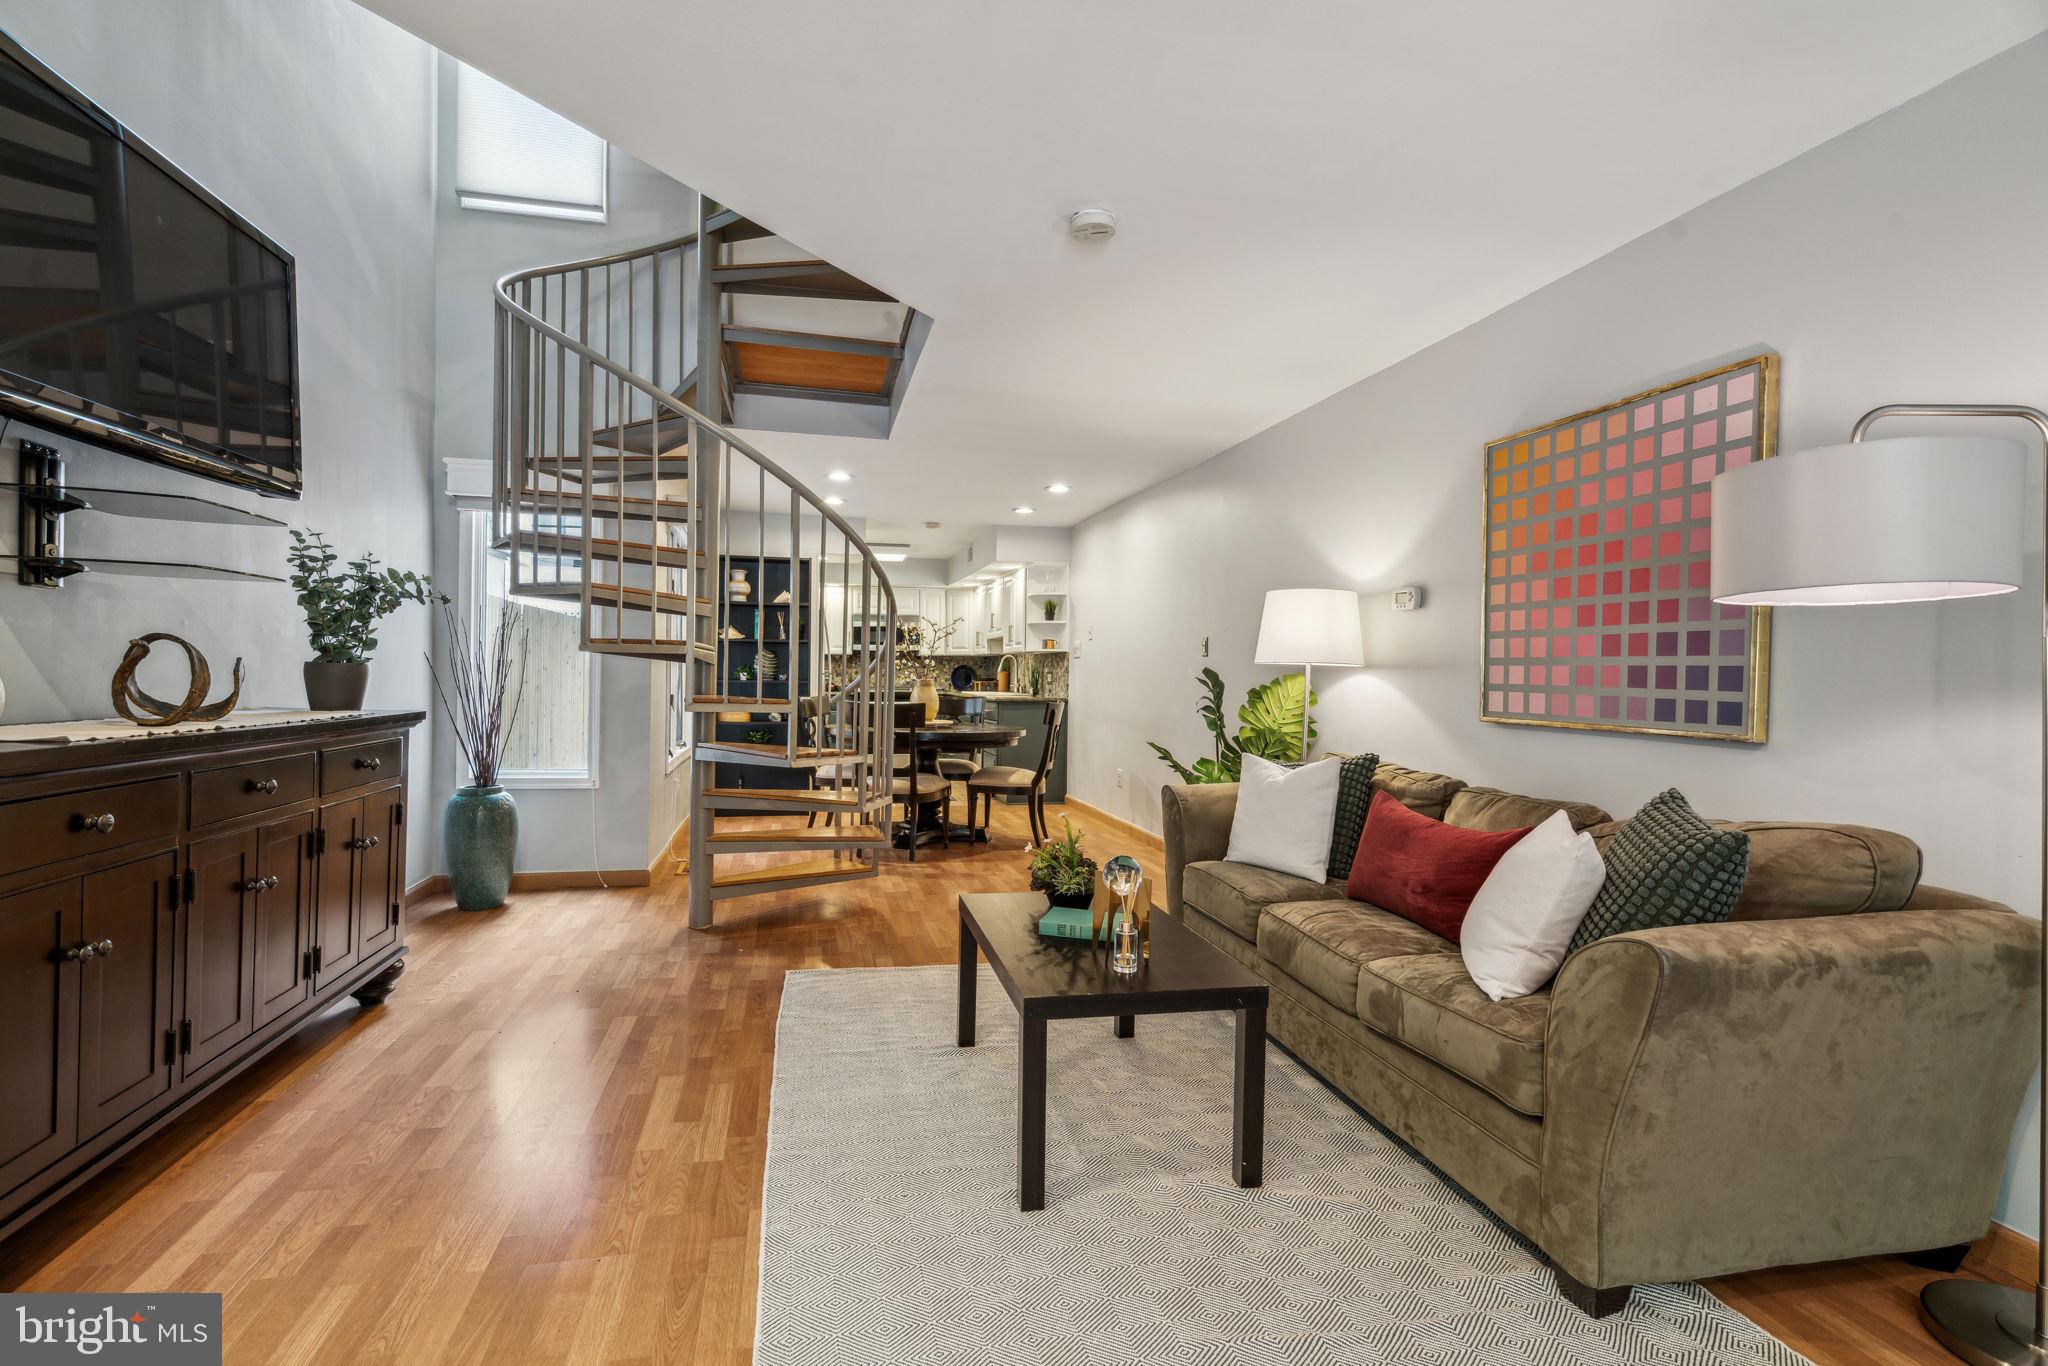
(40, 522)
(45, 498)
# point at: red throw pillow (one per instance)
(1421, 869)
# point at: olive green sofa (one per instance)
(1834, 1072)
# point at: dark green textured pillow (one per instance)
(1354, 795)
(1666, 867)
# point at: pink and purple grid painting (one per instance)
(1598, 610)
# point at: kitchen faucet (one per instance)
(1003, 668)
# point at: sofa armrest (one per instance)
(1197, 829)
(1726, 1097)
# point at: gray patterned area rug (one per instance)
(890, 1231)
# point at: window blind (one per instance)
(516, 156)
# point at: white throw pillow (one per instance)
(1284, 816)
(1530, 905)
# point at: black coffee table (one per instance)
(1065, 979)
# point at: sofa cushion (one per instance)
(1322, 943)
(1431, 1004)
(1426, 793)
(1802, 868)
(1489, 808)
(1421, 868)
(1666, 867)
(1354, 795)
(1233, 894)
(1808, 868)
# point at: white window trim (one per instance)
(476, 550)
(677, 683)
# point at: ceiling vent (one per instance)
(1092, 225)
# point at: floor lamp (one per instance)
(1911, 519)
(1310, 626)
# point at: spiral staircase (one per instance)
(613, 488)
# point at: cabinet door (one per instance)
(38, 1029)
(832, 625)
(960, 608)
(381, 872)
(284, 917)
(336, 936)
(219, 962)
(124, 991)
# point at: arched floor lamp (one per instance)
(1910, 519)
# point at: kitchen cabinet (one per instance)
(165, 905)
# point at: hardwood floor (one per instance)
(547, 1146)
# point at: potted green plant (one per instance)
(343, 607)
(1062, 871)
(1269, 725)
(480, 826)
(1052, 609)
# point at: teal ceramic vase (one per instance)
(480, 832)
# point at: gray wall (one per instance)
(1901, 261)
(315, 121)
(614, 826)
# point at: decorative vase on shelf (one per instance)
(336, 687)
(927, 692)
(480, 832)
(738, 587)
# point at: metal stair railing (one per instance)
(591, 360)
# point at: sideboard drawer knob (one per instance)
(370, 762)
(103, 823)
(265, 785)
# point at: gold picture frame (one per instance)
(1648, 609)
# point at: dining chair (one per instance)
(1001, 778)
(913, 786)
(957, 766)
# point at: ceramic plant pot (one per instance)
(336, 687)
(480, 832)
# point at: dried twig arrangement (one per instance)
(479, 670)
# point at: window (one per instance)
(552, 739)
(514, 156)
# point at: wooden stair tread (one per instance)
(807, 756)
(813, 868)
(802, 834)
(647, 599)
(607, 504)
(607, 548)
(823, 798)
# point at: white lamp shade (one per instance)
(1310, 626)
(1910, 519)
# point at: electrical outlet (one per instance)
(1407, 599)
(1205, 647)
(1119, 777)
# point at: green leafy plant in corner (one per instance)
(1269, 725)
(758, 736)
(1059, 866)
(343, 606)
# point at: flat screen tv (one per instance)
(137, 311)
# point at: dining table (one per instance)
(949, 734)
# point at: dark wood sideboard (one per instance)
(172, 907)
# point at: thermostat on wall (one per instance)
(1407, 599)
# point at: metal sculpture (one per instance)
(130, 698)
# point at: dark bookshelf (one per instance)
(792, 650)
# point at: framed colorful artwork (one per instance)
(1598, 614)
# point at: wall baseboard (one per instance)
(428, 888)
(2011, 1254)
(1097, 813)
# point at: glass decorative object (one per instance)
(1122, 876)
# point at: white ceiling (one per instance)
(1308, 192)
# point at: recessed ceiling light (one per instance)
(1056, 488)
(892, 556)
(834, 501)
(839, 476)
(1023, 510)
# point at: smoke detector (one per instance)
(1092, 225)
